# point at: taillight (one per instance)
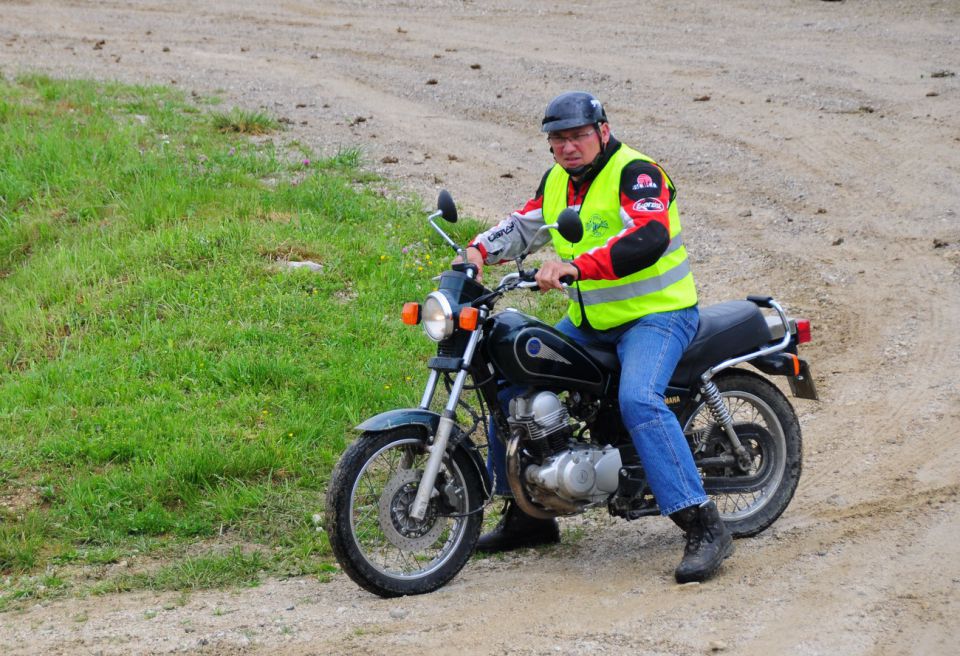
(411, 313)
(803, 331)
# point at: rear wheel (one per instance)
(767, 426)
(378, 544)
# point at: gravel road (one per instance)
(816, 147)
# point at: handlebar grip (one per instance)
(530, 276)
(466, 267)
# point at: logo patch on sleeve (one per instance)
(649, 205)
(644, 181)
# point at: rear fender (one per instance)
(795, 368)
(428, 421)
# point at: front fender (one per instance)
(429, 422)
(401, 417)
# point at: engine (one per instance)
(543, 421)
(558, 465)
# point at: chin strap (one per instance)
(578, 171)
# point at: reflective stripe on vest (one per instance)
(664, 286)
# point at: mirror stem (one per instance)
(440, 232)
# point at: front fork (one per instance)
(438, 447)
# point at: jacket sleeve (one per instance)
(506, 240)
(645, 198)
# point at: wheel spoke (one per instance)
(381, 524)
(746, 410)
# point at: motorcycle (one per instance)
(405, 502)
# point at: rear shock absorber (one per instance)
(721, 414)
(711, 395)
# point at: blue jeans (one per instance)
(649, 350)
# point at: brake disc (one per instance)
(402, 530)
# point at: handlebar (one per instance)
(566, 281)
(465, 267)
(527, 280)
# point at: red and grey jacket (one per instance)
(645, 198)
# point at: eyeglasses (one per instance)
(556, 140)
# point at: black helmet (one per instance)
(571, 110)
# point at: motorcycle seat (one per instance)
(727, 330)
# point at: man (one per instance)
(633, 290)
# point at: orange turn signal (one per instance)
(411, 313)
(468, 318)
(796, 365)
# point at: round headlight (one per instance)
(437, 317)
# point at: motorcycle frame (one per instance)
(447, 421)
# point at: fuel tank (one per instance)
(528, 351)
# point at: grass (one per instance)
(244, 122)
(163, 384)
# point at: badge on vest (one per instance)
(596, 225)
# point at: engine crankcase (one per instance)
(583, 474)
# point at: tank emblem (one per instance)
(537, 349)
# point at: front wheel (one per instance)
(377, 543)
(767, 426)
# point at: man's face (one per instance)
(577, 146)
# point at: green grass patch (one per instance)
(195, 573)
(163, 381)
(244, 122)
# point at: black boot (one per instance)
(708, 542)
(517, 529)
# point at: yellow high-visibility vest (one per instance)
(666, 285)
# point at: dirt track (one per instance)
(823, 169)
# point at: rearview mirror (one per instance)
(569, 225)
(446, 206)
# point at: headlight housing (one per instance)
(437, 317)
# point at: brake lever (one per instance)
(528, 280)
